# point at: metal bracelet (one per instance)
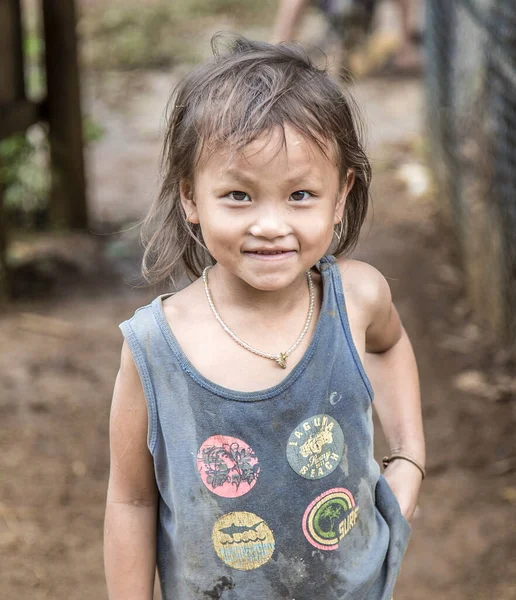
(388, 459)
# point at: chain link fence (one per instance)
(471, 89)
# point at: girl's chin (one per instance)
(272, 283)
(263, 274)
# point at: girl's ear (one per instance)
(186, 192)
(343, 194)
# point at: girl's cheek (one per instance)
(318, 226)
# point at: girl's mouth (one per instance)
(269, 254)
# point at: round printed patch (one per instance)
(228, 466)
(315, 447)
(329, 518)
(243, 540)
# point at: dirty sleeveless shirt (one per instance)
(272, 494)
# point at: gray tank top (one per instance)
(272, 494)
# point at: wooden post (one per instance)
(12, 86)
(5, 288)
(12, 91)
(63, 110)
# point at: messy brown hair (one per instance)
(248, 89)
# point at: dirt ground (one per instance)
(60, 352)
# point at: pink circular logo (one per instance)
(228, 466)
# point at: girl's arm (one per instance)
(131, 508)
(393, 374)
(391, 367)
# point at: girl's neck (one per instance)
(232, 292)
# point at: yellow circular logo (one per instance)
(242, 540)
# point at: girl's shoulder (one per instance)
(359, 276)
(189, 316)
(186, 302)
(364, 286)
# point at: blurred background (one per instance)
(83, 89)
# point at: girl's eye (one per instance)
(239, 196)
(300, 195)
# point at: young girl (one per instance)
(241, 428)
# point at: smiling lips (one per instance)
(269, 254)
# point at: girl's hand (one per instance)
(405, 481)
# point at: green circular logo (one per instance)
(329, 518)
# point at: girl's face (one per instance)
(268, 214)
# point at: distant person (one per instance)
(346, 18)
(241, 425)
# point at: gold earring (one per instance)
(338, 234)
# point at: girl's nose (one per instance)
(270, 223)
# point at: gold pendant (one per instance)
(281, 359)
